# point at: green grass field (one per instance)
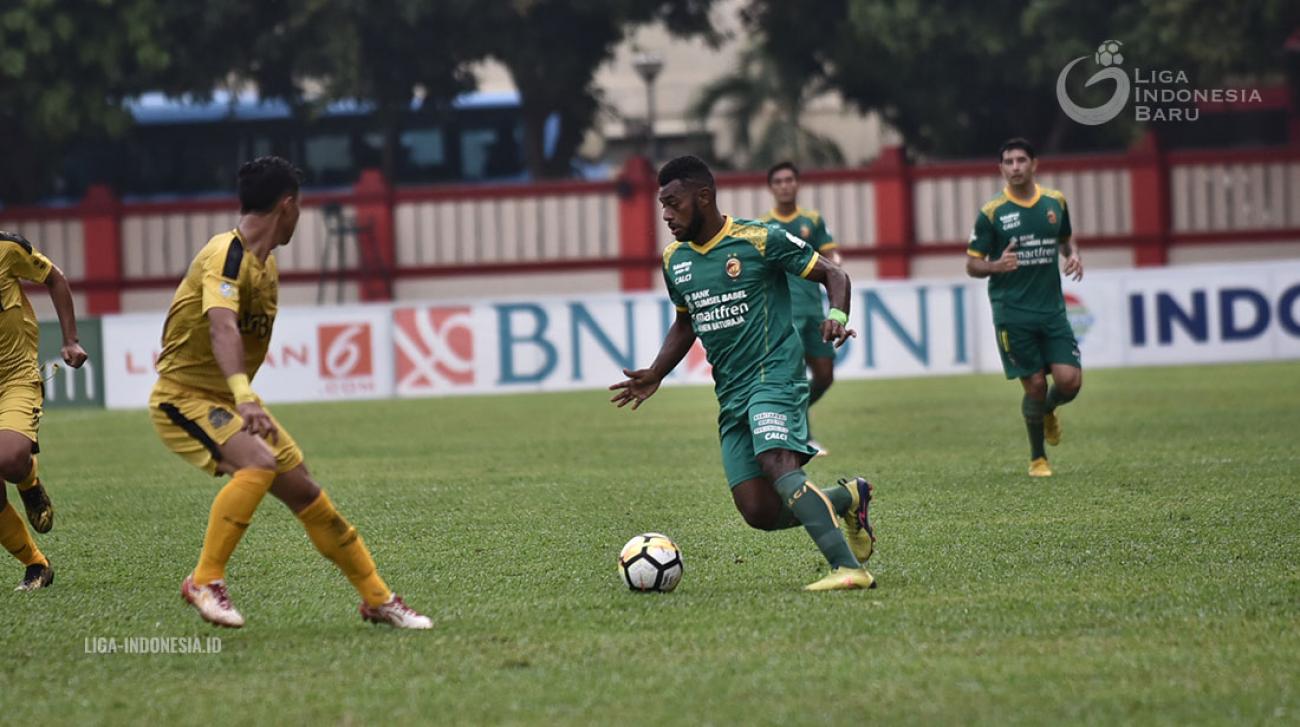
(1154, 580)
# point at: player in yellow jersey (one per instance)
(214, 340)
(22, 394)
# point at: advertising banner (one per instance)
(1243, 312)
(316, 354)
(64, 385)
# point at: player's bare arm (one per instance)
(643, 383)
(228, 350)
(1073, 263)
(61, 296)
(981, 268)
(839, 290)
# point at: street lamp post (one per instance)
(648, 66)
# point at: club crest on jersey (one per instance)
(733, 267)
(219, 417)
(805, 231)
(1051, 217)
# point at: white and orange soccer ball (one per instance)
(651, 562)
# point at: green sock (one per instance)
(815, 512)
(1033, 411)
(841, 500)
(1055, 398)
(840, 497)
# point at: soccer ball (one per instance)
(1108, 54)
(650, 562)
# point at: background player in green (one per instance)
(727, 278)
(1017, 243)
(806, 300)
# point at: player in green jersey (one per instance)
(728, 279)
(806, 300)
(1018, 241)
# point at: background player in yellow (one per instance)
(22, 395)
(807, 302)
(203, 406)
(1018, 241)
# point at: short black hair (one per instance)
(689, 170)
(1018, 142)
(265, 181)
(782, 165)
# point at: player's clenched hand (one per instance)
(835, 332)
(1008, 262)
(73, 354)
(1074, 266)
(639, 386)
(257, 422)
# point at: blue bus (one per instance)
(180, 147)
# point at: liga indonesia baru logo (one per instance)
(1158, 95)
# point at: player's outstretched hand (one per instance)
(73, 354)
(257, 422)
(639, 386)
(1008, 262)
(835, 332)
(1074, 267)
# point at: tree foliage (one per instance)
(65, 68)
(553, 48)
(774, 96)
(68, 66)
(954, 77)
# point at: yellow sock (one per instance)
(337, 540)
(30, 480)
(232, 510)
(16, 539)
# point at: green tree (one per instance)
(951, 75)
(312, 52)
(64, 69)
(761, 89)
(553, 48)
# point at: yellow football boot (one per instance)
(1040, 468)
(843, 579)
(857, 521)
(1052, 428)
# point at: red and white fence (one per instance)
(1144, 207)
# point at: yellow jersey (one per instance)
(225, 274)
(19, 333)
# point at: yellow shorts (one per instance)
(20, 410)
(194, 424)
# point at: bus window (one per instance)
(424, 148)
(328, 159)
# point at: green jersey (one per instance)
(1038, 226)
(734, 287)
(805, 295)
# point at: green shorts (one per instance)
(773, 416)
(809, 328)
(1028, 347)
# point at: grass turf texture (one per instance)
(1154, 579)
